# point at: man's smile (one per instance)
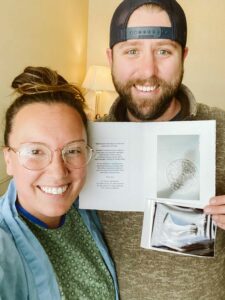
(146, 88)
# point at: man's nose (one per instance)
(148, 66)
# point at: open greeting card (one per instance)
(166, 169)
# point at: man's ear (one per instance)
(109, 56)
(185, 53)
(8, 161)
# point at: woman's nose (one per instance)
(57, 167)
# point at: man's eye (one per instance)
(163, 52)
(132, 51)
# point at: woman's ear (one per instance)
(8, 161)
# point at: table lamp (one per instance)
(98, 79)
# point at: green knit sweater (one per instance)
(80, 270)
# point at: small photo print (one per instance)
(178, 167)
(182, 229)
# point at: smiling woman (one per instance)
(43, 234)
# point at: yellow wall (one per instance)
(49, 33)
(205, 64)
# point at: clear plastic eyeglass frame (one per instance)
(37, 156)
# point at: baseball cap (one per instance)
(119, 31)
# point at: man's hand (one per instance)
(216, 208)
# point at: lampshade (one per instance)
(98, 78)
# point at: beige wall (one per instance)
(205, 64)
(54, 33)
(49, 33)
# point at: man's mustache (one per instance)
(152, 81)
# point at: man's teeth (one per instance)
(54, 190)
(144, 88)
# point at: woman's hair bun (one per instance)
(42, 85)
(36, 80)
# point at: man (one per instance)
(146, 54)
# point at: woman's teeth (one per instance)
(54, 190)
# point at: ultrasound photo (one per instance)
(183, 229)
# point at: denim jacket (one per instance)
(25, 269)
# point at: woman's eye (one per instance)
(32, 152)
(36, 152)
(76, 151)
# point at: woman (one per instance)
(49, 249)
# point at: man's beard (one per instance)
(151, 108)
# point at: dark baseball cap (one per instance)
(119, 32)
